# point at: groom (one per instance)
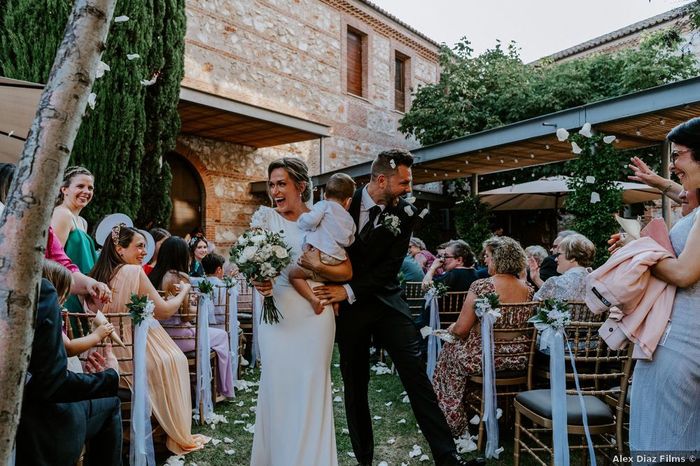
(371, 306)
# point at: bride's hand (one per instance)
(311, 260)
(264, 288)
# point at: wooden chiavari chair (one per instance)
(601, 372)
(415, 297)
(450, 305)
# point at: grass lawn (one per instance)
(394, 439)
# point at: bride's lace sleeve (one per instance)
(261, 218)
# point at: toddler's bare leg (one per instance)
(297, 277)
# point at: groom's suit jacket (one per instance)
(376, 261)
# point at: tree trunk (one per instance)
(23, 225)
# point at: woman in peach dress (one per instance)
(119, 265)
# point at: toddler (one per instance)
(330, 229)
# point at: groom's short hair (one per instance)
(387, 161)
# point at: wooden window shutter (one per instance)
(400, 84)
(354, 64)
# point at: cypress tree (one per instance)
(124, 138)
(163, 125)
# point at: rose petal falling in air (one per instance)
(562, 134)
(409, 210)
(586, 130)
(423, 213)
(392, 164)
(575, 148)
(121, 19)
(410, 199)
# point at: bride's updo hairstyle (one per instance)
(298, 172)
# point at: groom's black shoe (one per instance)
(453, 459)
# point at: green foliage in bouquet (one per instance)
(229, 281)
(206, 287)
(552, 313)
(440, 289)
(137, 308)
(261, 256)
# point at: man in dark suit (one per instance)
(62, 410)
(372, 307)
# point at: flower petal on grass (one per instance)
(121, 19)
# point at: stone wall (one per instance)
(289, 56)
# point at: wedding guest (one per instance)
(199, 247)
(536, 254)
(61, 280)
(410, 270)
(505, 260)
(119, 264)
(213, 265)
(548, 267)
(63, 411)
(458, 265)
(574, 259)
(169, 275)
(82, 284)
(417, 250)
(665, 414)
(159, 235)
(75, 194)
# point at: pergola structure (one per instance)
(638, 120)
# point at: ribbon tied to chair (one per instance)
(488, 316)
(434, 343)
(233, 330)
(203, 397)
(141, 445)
(553, 337)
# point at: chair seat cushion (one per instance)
(539, 402)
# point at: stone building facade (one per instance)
(290, 57)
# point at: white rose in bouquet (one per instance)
(280, 252)
(247, 254)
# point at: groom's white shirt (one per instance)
(365, 205)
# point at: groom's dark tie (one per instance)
(369, 226)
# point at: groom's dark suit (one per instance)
(379, 311)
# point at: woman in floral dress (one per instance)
(505, 259)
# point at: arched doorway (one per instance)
(187, 195)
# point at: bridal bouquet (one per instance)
(262, 255)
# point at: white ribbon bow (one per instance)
(141, 445)
(434, 343)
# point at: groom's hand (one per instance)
(329, 294)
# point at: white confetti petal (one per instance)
(250, 428)
(121, 19)
(240, 403)
(586, 130)
(337, 399)
(392, 164)
(475, 420)
(149, 82)
(245, 415)
(402, 421)
(383, 463)
(230, 452)
(175, 460)
(132, 56)
(499, 413)
(351, 454)
(92, 98)
(590, 179)
(238, 421)
(379, 390)
(391, 441)
(11, 133)
(465, 444)
(215, 441)
(424, 458)
(498, 451)
(410, 199)
(415, 452)
(609, 139)
(102, 67)
(376, 418)
(345, 431)
(423, 213)
(405, 399)
(595, 197)
(388, 403)
(562, 134)
(409, 210)
(575, 148)
(228, 440)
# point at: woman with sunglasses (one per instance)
(665, 413)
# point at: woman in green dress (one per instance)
(71, 229)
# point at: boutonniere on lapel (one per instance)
(392, 223)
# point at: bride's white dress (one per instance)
(294, 417)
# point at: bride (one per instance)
(294, 417)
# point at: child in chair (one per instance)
(330, 229)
